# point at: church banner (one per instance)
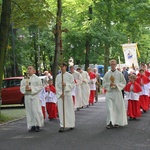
(130, 54)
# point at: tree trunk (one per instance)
(108, 30)
(106, 57)
(35, 53)
(4, 32)
(57, 40)
(87, 45)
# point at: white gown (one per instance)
(115, 106)
(68, 101)
(32, 102)
(85, 88)
(78, 96)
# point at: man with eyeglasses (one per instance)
(113, 83)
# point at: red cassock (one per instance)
(147, 73)
(133, 109)
(51, 107)
(43, 111)
(144, 99)
(92, 92)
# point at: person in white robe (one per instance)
(66, 113)
(85, 88)
(78, 81)
(31, 88)
(43, 101)
(113, 83)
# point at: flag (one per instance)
(130, 54)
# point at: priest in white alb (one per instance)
(113, 83)
(31, 87)
(66, 113)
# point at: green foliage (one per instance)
(109, 25)
(29, 12)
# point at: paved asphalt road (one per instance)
(90, 133)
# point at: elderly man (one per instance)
(31, 87)
(126, 76)
(98, 82)
(114, 82)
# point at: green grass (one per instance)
(4, 118)
(11, 114)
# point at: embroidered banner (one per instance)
(130, 54)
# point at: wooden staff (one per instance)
(61, 55)
(63, 99)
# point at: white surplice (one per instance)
(42, 97)
(69, 118)
(32, 101)
(50, 97)
(132, 95)
(85, 88)
(78, 96)
(115, 106)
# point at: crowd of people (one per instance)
(135, 85)
(79, 89)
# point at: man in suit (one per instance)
(126, 76)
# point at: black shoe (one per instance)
(144, 111)
(78, 109)
(37, 129)
(61, 129)
(109, 126)
(32, 129)
(116, 126)
(71, 128)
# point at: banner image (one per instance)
(130, 54)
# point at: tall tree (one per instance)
(4, 31)
(57, 32)
(88, 41)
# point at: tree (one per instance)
(4, 31)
